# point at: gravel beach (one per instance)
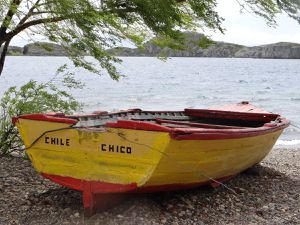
(269, 193)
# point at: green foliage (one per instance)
(205, 42)
(187, 41)
(15, 53)
(162, 42)
(33, 97)
(268, 9)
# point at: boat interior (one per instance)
(189, 118)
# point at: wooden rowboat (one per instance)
(145, 151)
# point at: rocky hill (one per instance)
(44, 49)
(194, 48)
(14, 50)
(282, 50)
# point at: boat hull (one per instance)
(136, 158)
(127, 156)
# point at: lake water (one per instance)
(179, 83)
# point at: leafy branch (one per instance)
(34, 97)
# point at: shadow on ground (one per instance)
(259, 194)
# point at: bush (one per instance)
(33, 97)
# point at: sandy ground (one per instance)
(267, 194)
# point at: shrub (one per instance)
(33, 97)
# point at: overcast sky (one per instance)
(250, 30)
(246, 29)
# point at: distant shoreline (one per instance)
(202, 57)
(281, 50)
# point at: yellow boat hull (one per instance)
(135, 156)
(145, 158)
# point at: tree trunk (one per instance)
(3, 55)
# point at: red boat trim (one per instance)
(91, 188)
(106, 188)
(138, 125)
(102, 195)
(95, 186)
(200, 133)
(221, 114)
(191, 133)
(213, 134)
(200, 125)
(51, 117)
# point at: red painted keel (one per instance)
(99, 196)
(95, 195)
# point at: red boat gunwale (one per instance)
(191, 133)
(201, 133)
(251, 116)
(138, 125)
(49, 117)
(95, 186)
(242, 111)
(104, 187)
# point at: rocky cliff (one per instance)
(37, 49)
(14, 50)
(282, 50)
(194, 48)
(44, 49)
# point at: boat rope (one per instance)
(151, 148)
(121, 135)
(293, 124)
(46, 132)
(87, 128)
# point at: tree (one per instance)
(89, 27)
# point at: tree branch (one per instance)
(24, 26)
(7, 19)
(3, 55)
(42, 12)
(29, 14)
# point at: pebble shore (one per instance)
(269, 193)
